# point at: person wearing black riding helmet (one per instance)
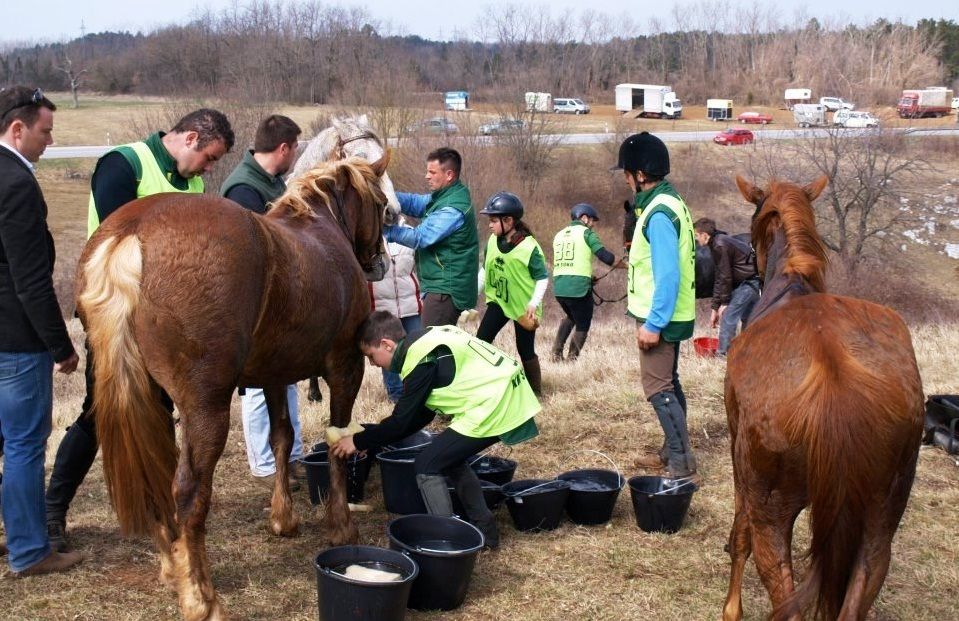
(573, 250)
(514, 279)
(661, 292)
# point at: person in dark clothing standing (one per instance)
(736, 286)
(33, 336)
(171, 161)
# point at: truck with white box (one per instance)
(917, 103)
(654, 100)
(795, 96)
(538, 102)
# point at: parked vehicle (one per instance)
(809, 115)
(456, 100)
(570, 106)
(836, 103)
(436, 125)
(538, 102)
(654, 100)
(719, 109)
(854, 118)
(955, 103)
(925, 102)
(795, 96)
(502, 126)
(734, 135)
(755, 117)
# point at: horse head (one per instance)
(349, 136)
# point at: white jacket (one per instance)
(399, 291)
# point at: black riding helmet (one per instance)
(583, 209)
(644, 152)
(503, 204)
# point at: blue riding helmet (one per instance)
(583, 209)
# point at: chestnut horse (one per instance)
(195, 295)
(825, 409)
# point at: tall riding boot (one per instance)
(436, 494)
(682, 462)
(576, 346)
(565, 327)
(74, 458)
(533, 374)
(470, 492)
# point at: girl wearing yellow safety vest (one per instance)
(514, 279)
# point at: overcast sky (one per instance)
(55, 20)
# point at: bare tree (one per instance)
(73, 75)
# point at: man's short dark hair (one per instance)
(378, 326)
(210, 126)
(275, 130)
(22, 103)
(448, 158)
(705, 225)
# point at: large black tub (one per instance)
(343, 599)
(536, 504)
(400, 493)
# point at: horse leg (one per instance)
(204, 436)
(314, 393)
(740, 548)
(344, 380)
(771, 534)
(282, 520)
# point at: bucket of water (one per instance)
(494, 469)
(492, 494)
(536, 504)
(400, 492)
(661, 504)
(445, 550)
(706, 346)
(317, 465)
(592, 495)
(342, 598)
(417, 440)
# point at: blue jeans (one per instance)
(392, 381)
(740, 306)
(256, 430)
(26, 416)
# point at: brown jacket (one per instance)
(735, 264)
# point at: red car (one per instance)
(755, 117)
(734, 135)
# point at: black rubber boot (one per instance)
(533, 374)
(470, 492)
(682, 462)
(576, 346)
(436, 494)
(74, 458)
(559, 344)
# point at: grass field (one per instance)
(609, 573)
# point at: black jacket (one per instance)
(30, 316)
(735, 264)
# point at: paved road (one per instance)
(583, 139)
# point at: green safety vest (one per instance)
(152, 181)
(508, 282)
(489, 395)
(640, 279)
(572, 256)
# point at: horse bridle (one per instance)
(340, 218)
(339, 154)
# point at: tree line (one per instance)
(310, 52)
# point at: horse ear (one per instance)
(750, 192)
(814, 189)
(380, 165)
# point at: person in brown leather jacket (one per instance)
(737, 285)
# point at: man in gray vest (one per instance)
(255, 183)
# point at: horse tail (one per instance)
(133, 427)
(839, 405)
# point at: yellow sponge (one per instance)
(334, 434)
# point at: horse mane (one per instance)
(787, 206)
(317, 185)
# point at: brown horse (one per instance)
(194, 295)
(825, 408)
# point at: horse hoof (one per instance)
(281, 529)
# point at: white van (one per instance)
(854, 118)
(570, 106)
(836, 103)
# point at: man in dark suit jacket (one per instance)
(33, 336)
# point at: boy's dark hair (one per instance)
(448, 158)
(378, 326)
(705, 225)
(275, 130)
(210, 126)
(22, 103)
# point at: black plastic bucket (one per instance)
(592, 495)
(343, 599)
(365, 464)
(445, 550)
(536, 504)
(494, 469)
(317, 465)
(661, 504)
(418, 439)
(400, 493)
(492, 494)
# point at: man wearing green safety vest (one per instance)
(446, 371)
(661, 293)
(164, 162)
(573, 250)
